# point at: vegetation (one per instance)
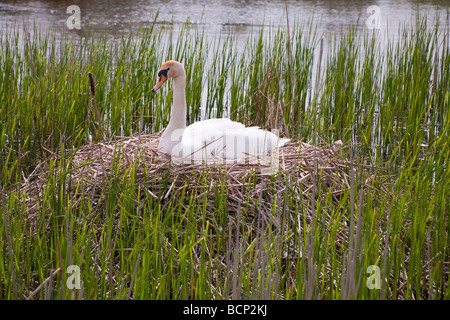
(388, 104)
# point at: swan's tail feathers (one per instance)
(283, 141)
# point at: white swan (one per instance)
(208, 139)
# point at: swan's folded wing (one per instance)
(227, 139)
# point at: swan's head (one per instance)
(169, 69)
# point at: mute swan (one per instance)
(208, 139)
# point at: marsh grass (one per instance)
(388, 104)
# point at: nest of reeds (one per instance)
(302, 167)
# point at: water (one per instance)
(219, 17)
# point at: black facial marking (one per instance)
(163, 72)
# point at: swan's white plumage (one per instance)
(226, 139)
(213, 138)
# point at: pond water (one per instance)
(218, 17)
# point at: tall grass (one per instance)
(388, 103)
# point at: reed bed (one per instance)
(82, 183)
(92, 167)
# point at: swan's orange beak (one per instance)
(160, 82)
(162, 77)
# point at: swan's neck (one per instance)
(178, 112)
(177, 123)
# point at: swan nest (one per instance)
(91, 167)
